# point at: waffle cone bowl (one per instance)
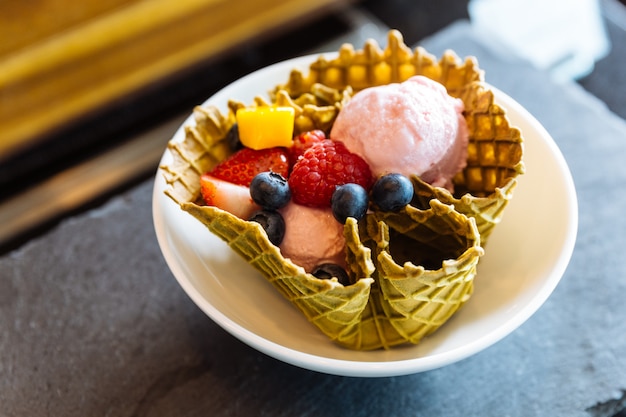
(410, 270)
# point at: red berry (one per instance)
(302, 142)
(242, 166)
(323, 167)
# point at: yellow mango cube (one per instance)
(266, 126)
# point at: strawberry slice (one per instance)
(233, 198)
(242, 166)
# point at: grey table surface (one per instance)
(92, 322)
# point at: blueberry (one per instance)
(270, 190)
(273, 224)
(349, 200)
(330, 270)
(232, 138)
(392, 192)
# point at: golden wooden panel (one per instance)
(58, 62)
(24, 23)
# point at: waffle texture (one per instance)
(410, 271)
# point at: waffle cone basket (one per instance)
(410, 270)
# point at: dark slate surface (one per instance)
(92, 323)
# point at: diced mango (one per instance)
(265, 127)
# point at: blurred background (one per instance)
(90, 92)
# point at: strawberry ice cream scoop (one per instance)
(312, 236)
(413, 127)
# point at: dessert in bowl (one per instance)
(409, 270)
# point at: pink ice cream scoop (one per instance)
(312, 236)
(413, 127)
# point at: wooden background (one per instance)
(61, 60)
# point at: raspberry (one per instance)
(302, 142)
(323, 167)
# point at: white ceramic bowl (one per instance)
(524, 261)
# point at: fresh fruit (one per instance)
(349, 200)
(392, 192)
(265, 126)
(270, 190)
(242, 166)
(227, 196)
(304, 141)
(273, 224)
(232, 138)
(324, 166)
(330, 270)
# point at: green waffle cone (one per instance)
(335, 309)
(425, 265)
(410, 270)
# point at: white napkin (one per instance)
(564, 37)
